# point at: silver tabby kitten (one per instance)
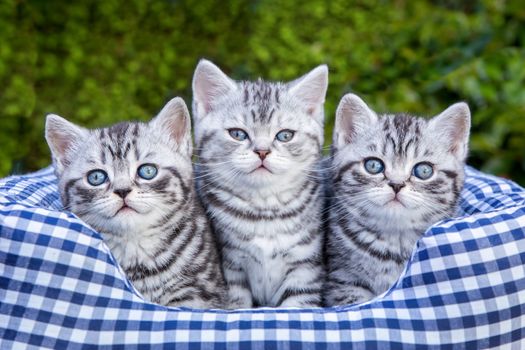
(392, 177)
(133, 183)
(259, 146)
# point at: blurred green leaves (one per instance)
(99, 62)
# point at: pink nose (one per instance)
(262, 153)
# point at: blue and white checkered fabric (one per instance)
(60, 287)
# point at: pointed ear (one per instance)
(452, 126)
(352, 117)
(209, 84)
(311, 90)
(174, 121)
(63, 137)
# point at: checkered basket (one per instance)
(60, 287)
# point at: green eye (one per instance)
(147, 171)
(285, 135)
(97, 177)
(238, 134)
(423, 171)
(374, 166)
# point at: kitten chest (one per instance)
(266, 275)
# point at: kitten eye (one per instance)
(147, 171)
(285, 135)
(374, 165)
(97, 177)
(238, 134)
(423, 171)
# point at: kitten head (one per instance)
(400, 166)
(127, 177)
(258, 133)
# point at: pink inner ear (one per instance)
(209, 84)
(457, 137)
(62, 143)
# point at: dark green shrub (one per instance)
(98, 62)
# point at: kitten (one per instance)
(392, 177)
(259, 145)
(133, 183)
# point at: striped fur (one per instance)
(267, 220)
(371, 230)
(163, 240)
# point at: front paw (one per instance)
(239, 303)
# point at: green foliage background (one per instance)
(99, 62)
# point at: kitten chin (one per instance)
(392, 177)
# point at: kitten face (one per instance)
(258, 133)
(400, 167)
(126, 177)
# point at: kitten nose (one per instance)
(122, 192)
(262, 153)
(397, 186)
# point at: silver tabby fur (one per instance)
(267, 219)
(372, 230)
(162, 239)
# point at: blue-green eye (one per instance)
(97, 177)
(238, 134)
(284, 135)
(374, 165)
(423, 171)
(147, 171)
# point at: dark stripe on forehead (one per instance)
(403, 123)
(390, 139)
(270, 115)
(246, 95)
(102, 155)
(118, 131)
(264, 97)
(135, 149)
(402, 134)
(407, 145)
(110, 149)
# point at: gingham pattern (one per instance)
(60, 288)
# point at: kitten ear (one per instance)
(352, 117)
(209, 83)
(174, 121)
(453, 127)
(311, 90)
(63, 137)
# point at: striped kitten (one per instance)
(133, 182)
(259, 145)
(392, 177)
